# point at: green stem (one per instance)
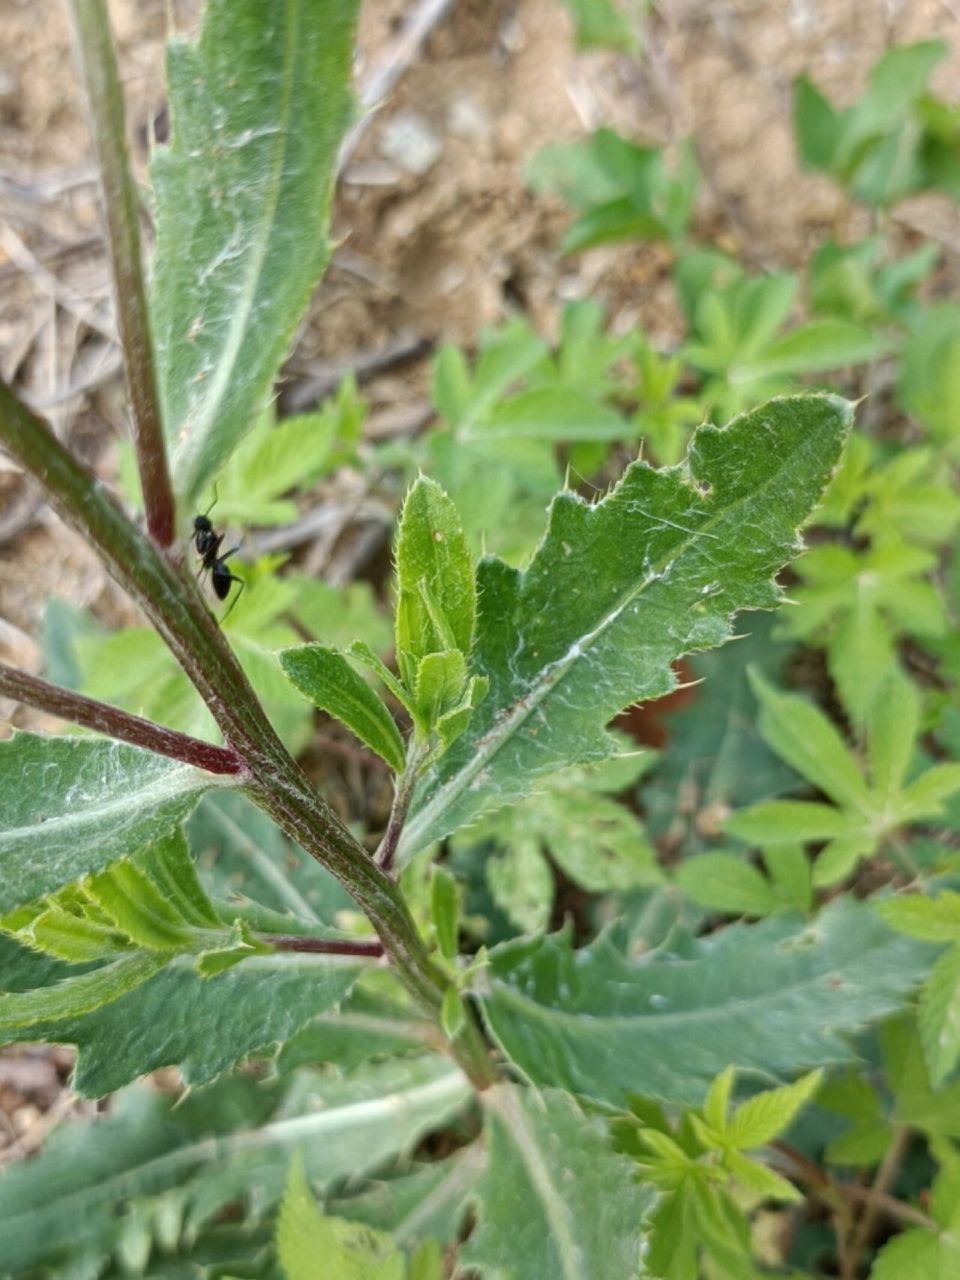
(171, 600)
(98, 65)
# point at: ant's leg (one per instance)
(233, 578)
(227, 554)
(215, 499)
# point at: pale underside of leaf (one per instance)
(242, 202)
(69, 806)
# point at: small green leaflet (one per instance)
(326, 677)
(617, 591)
(259, 105)
(934, 919)
(436, 605)
(554, 1202)
(69, 806)
(775, 997)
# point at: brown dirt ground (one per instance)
(437, 254)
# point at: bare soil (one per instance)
(438, 234)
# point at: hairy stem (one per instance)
(117, 724)
(171, 600)
(323, 946)
(387, 848)
(98, 65)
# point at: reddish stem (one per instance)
(98, 64)
(325, 946)
(116, 723)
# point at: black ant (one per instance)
(208, 543)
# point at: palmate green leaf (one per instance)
(762, 1117)
(921, 1255)
(259, 105)
(866, 814)
(869, 1133)
(929, 919)
(809, 742)
(69, 806)
(554, 1201)
(617, 591)
(775, 997)
(230, 1144)
(723, 882)
(326, 677)
(201, 1025)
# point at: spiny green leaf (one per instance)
(331, 683)
(435, 580)
(350, 1250)
(69, 806)
(368, 1024)
(203, 1026)
(76, 996)
(259, 105)
(243, 856)
(617, 591)
(774, 996)
(225, 1146)
(453, 722)
(554, 1202)
(521, 882)
(429, 1200)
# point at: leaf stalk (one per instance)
(98, 64)
(118, 724)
